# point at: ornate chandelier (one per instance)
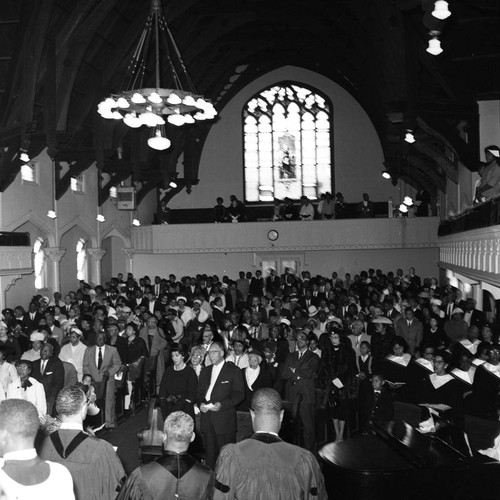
(154, 107)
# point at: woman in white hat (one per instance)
(37, 339)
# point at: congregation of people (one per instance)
(346, 347)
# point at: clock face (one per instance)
(273, 235)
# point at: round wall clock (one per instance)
(273, 235)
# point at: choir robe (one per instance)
(172, 475)
(445, 389)
(264, 466)
(418, 373)
(395, 370)
(485, 390)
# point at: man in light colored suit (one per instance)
(102, 362)
(411, 329)
(358, 336)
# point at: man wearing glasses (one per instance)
(220, 389)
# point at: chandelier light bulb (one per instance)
(155, 98)
(110, 102)
(189, 101)
(174, 99)
(434, 47)
(199, 116)
(176, 119)
(138, 98)
(441, 10)
(132, 120)
(172, 184)
(159, 142)
(151, 119)
(409, 137)
(386, 175)
(117, 115)
(188, 119)
(123, 103)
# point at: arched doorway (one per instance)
(113, 261)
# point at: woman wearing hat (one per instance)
(178, 386)
(37, 339)
(238, 355)
(255, 376)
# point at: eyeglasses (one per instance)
(214, 351)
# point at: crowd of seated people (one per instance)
(328, 207)
(347, 345)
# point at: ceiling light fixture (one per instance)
(100, 218)
(24, 157)
(403, 208)
(52, 214)
(408, 201)
(136, 222)
(386, 175)
(409, 137)
(441, 10)
(434, 47)
(152, 107)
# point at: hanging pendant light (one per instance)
(158, 141)
(434, 46)
(441, 10)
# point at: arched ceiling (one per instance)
(59, 58)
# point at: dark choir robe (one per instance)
(95, 467)
(485, 390)
(445, 389)
(395, 370)
(174, 475)
(418, 373)
(266, 467)
(375, 407)
(264, 379)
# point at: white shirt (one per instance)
(74, 355)
(58, 486)
(215, 374)
(251, 376)
(97, 354)
(73, 426)
(8, 374)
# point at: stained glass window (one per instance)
(287, 132)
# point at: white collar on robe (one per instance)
(425, 364)
(493, 369)
(439, 380)
(467, 377)
(400, 360)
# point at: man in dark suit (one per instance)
(102, 362)
(375, 404)
(366, 208)
(220, 389)
(299, 371)
(257, 284)
(473, 316)
(49, 371)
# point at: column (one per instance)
(96, 255)
(129, 254)
(477, 294)
(55, 255)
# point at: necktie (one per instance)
(376, 395)
(99, 359)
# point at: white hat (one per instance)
(457, 310)
(181, 297)
(196, 301)
(73, 329)
(285, 321)
(37, 336)
(312, 310)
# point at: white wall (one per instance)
(23, 207)
(320, 262)
(357, 150)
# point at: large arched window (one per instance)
(287, 132)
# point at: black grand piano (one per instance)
(397, 461)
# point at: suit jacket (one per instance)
(412, 334)
(110, 362)
(228, 390)
(264, 379)
(52, 379)
(381, 410)
(302, 380)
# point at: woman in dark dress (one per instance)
(178, 385)
(337, 375)
(136, 352)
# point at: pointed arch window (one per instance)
(287, 131)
